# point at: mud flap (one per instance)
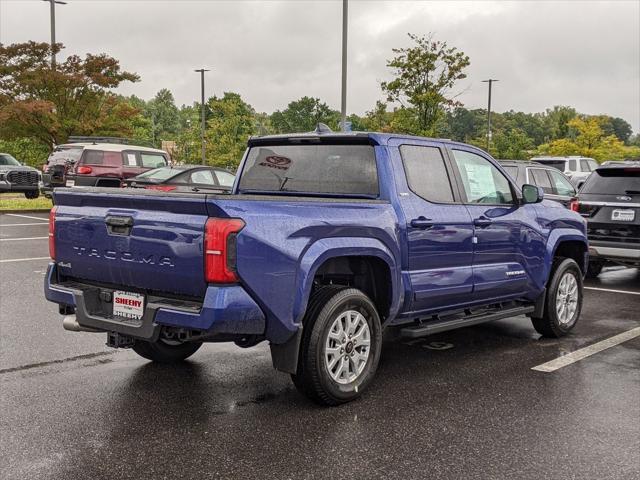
(285, 355)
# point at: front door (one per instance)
(438, 228)
(499, 265)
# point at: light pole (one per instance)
(490, 82)
(343, 103)
(52, 4)
(202, 70)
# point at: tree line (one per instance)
(41, 107)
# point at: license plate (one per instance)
(70, 183)
(128, 305)
(623, 215)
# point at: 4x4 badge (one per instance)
(623, 197)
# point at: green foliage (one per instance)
(232, 123)
(25, 150)
(303, 115)
(74, 99)
(424, 76)
(514, 144)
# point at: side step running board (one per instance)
(437, 326)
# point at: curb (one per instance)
(33, 210)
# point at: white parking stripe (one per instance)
(23, 259)
(46, 220)
(18, 239)
(585, 352)
(24, 224)
(611, 290)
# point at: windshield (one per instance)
(160, 174)
(613, 181)
(330, 169)
(6, 159)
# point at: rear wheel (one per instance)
(162, 351)
(340, 351)
(563, 302)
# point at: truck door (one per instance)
(499, 263)
(438, 228)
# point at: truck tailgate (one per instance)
(147, 241)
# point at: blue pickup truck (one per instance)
(326, 240)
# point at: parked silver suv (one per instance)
(576, 168)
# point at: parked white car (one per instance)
(576, 168)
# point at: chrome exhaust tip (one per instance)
(70, 323)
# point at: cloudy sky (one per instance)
(580, 53)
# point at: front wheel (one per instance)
(32, 194)
(563, 302)
(341, 344)
(164, 352)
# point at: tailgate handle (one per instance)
(119, 225)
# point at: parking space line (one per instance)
(611, 290)
(585, 352)
(23, 238)
(23, 224)
(44, 220)
(10, 260)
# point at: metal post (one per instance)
(204, 152)
(490, 82)
(52, 5)
(343, 108)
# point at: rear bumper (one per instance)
(227, 310)
(630, 253)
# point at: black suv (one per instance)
(555, 184)
(610, 201)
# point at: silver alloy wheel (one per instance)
(567, 298)
(347, 347)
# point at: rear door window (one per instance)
(204, 177)
(225, 179)
(572, 166)
(584, 165)
(311, 168)
(540, 178)
(427, 173)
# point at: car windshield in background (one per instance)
(614, 181)
(328, 169)
(559, 164)
(160, 174)
(6, 159)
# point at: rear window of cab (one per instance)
(311, 169)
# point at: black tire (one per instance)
(32, 194)
(550, 325)
(162, 352)
(313, 378)
(594, 269)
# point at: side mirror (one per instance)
(532, 194)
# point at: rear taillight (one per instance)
(220, 252)
(52, 233)
(162, 188)
(574, 206)
(84, 170)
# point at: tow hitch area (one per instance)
(117, 340)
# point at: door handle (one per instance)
(482, 222)
(422, 223)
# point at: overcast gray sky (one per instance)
(580, 53)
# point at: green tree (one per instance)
(26, 150)
(164, 116)
(232, 122)
(303, 115)
(424, 77)
(557, 120)
(74, 99)
(512, 145)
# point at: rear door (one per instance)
(500, 266)
(547, 180)
(438, 227)
(563, 191)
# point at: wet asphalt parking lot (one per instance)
(462, 404)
